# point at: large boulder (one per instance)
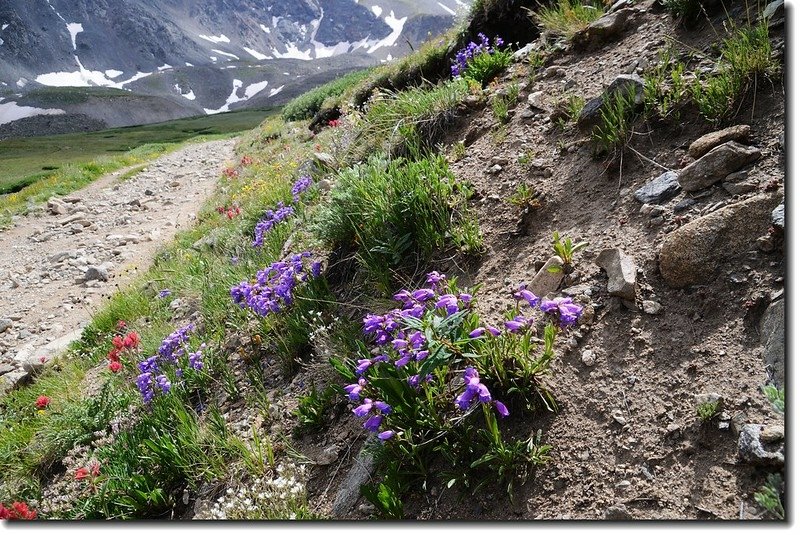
(692, 253)
(716, 165)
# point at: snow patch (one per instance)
(74, 28)
(322, 51)
(292, 52)
(189, 64)
(22, 82)
(189, 95)
(255, 53)
(397, 28)
(441, 5)
(273, 92)
(215, 39)
(213, 58)
(113, 73)
(377, 10)
(253, 89)
(234, 56)
(84, 78)
(165, 67)
(4, 26)
(232, 99)
(265, 28)
(11, 111)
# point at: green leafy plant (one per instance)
(708, 410)
(500, 105)
(770, 495)
(440, 348)
(525, 196)
(775, 397)
(310, 102)
(565, 250)
(313, 407)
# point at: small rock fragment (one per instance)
(621, 271)
(546, 281)
(704, 144)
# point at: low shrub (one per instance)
(567, 17)
(308, 104)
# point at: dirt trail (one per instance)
(58, 263)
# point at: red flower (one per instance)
(131, 340)
(18, 511)
(115, 366)
(95, 469)
(81, 474)
(334, 123)
(42, 402)
(117, 342)
(121, 325)
(246, 160)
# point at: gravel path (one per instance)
(57, 264)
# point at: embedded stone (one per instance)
(752, 450)
(773, 338)
(659, 190)
(692, 253)
(95, 273)
(548, 279)
(716, 165)
(777, 216)
(602, 31)
(621, 271)
(707, 142)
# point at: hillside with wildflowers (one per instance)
(533, 280)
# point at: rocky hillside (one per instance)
(197, 56)
(546, 285)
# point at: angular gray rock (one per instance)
(691, 253)
(95, 273)
(716, 165)
(12, 380)
(622, 86)
(773, 337)
(5, 323)
(621, 271)
(350, 489)
(658, 190)
(751, 448)
(546, 282)
(707, 142)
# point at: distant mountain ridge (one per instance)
(202, 56)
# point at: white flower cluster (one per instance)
(280, 497)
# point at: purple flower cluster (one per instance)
(561, 309)
(152, 379)
(274, 286)
(477, 390)
(465, 55)
(270, 219)
(172, 347)
(302, 184)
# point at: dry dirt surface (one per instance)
(58, 263)
(627, 440)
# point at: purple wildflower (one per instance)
(565, 311)
(477, 333)
(270, 219)
(474, 389)
(163, 383)
(449, 302)
(302, 184)
(273, 289)
(354, 390)
(386, 435)
(373, 423)
(501, 408)
(164, 293)
(526, 295)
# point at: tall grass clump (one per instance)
(308, 104)
(393, 213)
(745, 57)
(567, 17)
(416, 117)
